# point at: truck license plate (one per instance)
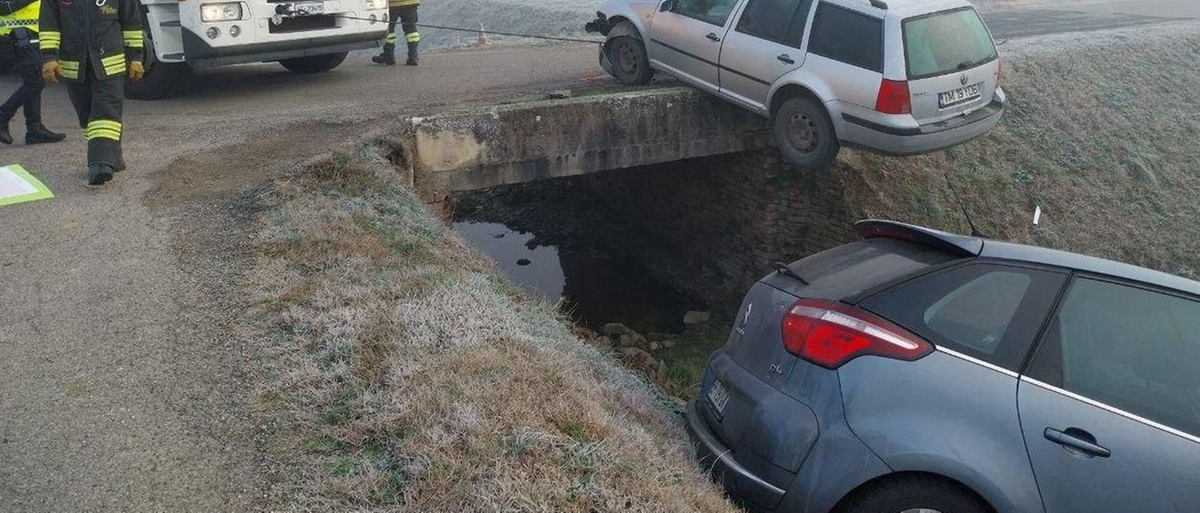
(309, 8)
(718, 397)
(959, 96)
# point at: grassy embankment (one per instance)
(409, 377)
(1102, 131)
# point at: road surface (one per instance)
(123, 383)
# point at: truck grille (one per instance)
(304, 23)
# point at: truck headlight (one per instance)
(376, 4)
(221, 12)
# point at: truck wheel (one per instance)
(161, 78)
(630, 63)
(805, 134)
(314, 63)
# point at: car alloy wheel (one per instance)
(921, 510)
(802, 132)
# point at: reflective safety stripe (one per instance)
(70, 69)
(113, 64)
(24, 17)
(398, 3)
(413, 37)
(50, 40)
(133, 38)
(103, 129)
(390, 39)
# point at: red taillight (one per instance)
(893, 98)
(830, 334)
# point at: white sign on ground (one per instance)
(18, 186)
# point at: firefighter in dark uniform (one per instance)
(19, 52)
(93, 44)
(406, 12)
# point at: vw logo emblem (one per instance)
(963, 79)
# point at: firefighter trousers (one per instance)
(407, 16)
(99, 103)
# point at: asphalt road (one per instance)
(124, 383)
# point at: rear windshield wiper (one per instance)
(787, 270)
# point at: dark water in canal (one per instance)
(559, 243)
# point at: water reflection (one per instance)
(536, 268)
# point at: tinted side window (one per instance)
(847, 36)
(772, 19)
(990, 312)
(1129, 348)
(715, 12)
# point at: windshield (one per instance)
(945, 42)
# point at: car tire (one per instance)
(314, 63)
(805, 135)
(630, 63)
(903, 494)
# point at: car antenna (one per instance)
(974, 231)
(787, 270)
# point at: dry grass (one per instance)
(408, 377)
(1101, 132)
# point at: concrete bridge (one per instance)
(516, 143)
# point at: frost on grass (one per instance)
(1099, 131)
(408, 377)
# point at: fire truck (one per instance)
(306, 36)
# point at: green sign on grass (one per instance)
(18, 186)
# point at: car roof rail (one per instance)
(879, 4)
(960, 244)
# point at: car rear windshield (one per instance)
(945, 42)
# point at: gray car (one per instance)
(902, 77)
(920, 371)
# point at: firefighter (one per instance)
(406, 12)
(94, 44)
(19, 52)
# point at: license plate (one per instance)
(959, 96)
(309, 8)
(718, 397)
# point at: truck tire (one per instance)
(314, 63)
(161, 78)
(805, 134)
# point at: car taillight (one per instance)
(893, 98)
(830, 334)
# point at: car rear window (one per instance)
(847, 36)
(987, 311)
(945, 42)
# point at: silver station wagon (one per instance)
(903, 77)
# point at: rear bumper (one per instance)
(865, 134)
(717, 458)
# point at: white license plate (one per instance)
(309, 8)
(718, 397)
(959, 96)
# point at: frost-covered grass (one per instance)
(1100, 132)
(407, 376)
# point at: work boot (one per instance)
(99, 174)
(388, 56)
(412, 54)
(5, 137)
(37, 133)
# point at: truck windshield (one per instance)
(945, 42)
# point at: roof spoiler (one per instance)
(879, 4)
(954, 243)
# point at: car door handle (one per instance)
(785, 58)
(1077, 441)
(712, 36)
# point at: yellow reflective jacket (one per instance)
(24, 17)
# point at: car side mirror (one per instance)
(667, 5)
